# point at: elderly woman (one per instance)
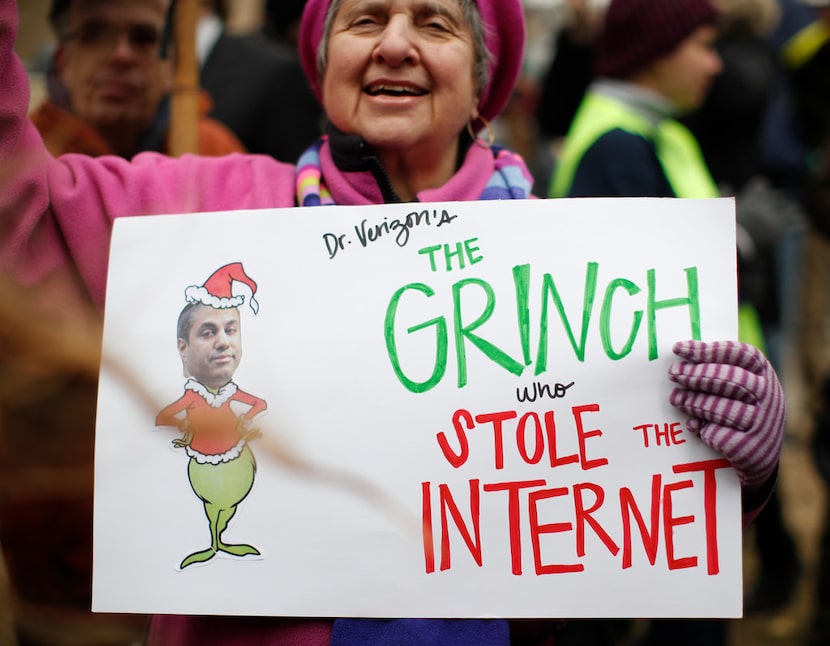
(406, 85)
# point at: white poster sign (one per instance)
(442, 410)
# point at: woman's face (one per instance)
(400, 73)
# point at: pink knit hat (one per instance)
(637, 32)
(504, 35)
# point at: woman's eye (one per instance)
(364, 21)
(438, 22)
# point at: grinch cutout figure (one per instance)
(214, 415)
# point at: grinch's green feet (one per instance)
(238, 550)
(198, 557)
(205, 555)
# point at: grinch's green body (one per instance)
(221, 487)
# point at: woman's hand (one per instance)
(736, 404)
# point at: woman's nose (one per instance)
(397, 42)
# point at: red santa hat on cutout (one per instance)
(227, 287)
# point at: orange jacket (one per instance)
(63, 132)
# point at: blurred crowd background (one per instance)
(47, 376)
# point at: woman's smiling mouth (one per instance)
(392, 89)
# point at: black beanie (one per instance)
(637, 32)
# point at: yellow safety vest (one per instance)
(676, 148)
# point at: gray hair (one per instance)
(472, 18)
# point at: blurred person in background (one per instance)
(256, 83)
(654, 61)
(110, 89)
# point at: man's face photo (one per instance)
(213, 347)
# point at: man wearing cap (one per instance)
(222, 467)
(655, 61)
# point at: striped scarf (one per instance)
(509, 180)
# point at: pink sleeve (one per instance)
(56, 213)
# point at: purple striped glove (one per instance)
(735, 401)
